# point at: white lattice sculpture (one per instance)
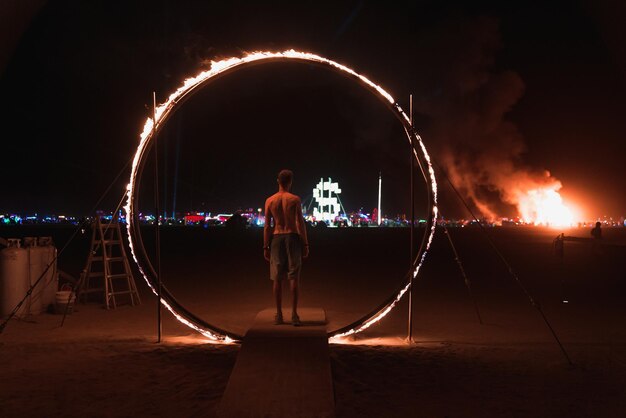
(328, 207)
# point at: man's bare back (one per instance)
(283, 215)
(285, 210)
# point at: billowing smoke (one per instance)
(466, 99)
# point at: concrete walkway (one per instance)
(282, 370)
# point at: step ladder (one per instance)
(107, 271)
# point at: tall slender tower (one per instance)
(380, 184)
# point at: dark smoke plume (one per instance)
(466, 100)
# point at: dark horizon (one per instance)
(539, 88)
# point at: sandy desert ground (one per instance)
(107, 364)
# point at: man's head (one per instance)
(285, 177)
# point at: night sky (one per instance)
(499, 88)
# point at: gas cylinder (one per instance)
(40, 254)
(13, 278)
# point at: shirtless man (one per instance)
(285, 243)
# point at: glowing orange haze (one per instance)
(535, 195)
(546, 207)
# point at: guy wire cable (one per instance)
(508, 266)
(468, 283)
(71, 238)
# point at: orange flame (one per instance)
(545, 206)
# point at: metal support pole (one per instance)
(412, 225)
(380, 186)
(157, 232)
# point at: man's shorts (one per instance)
(285, 256)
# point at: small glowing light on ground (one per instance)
(192, 339)
(381, 341)
(386, 342)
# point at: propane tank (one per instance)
(40, 254)
(13, 278)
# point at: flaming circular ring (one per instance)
(164, 111)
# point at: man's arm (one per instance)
(268, 230)
(301, 225)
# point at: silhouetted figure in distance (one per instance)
(597, 231)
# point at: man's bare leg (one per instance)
(295, 319)
(278, 296)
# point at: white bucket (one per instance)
(62, 298)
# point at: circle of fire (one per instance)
(190, 86)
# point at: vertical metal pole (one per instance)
(380, 184)
(157, 232)
(178, 135)
(411, 239)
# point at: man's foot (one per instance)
(278, 319)
(295, 320)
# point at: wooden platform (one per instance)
(282, 370)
